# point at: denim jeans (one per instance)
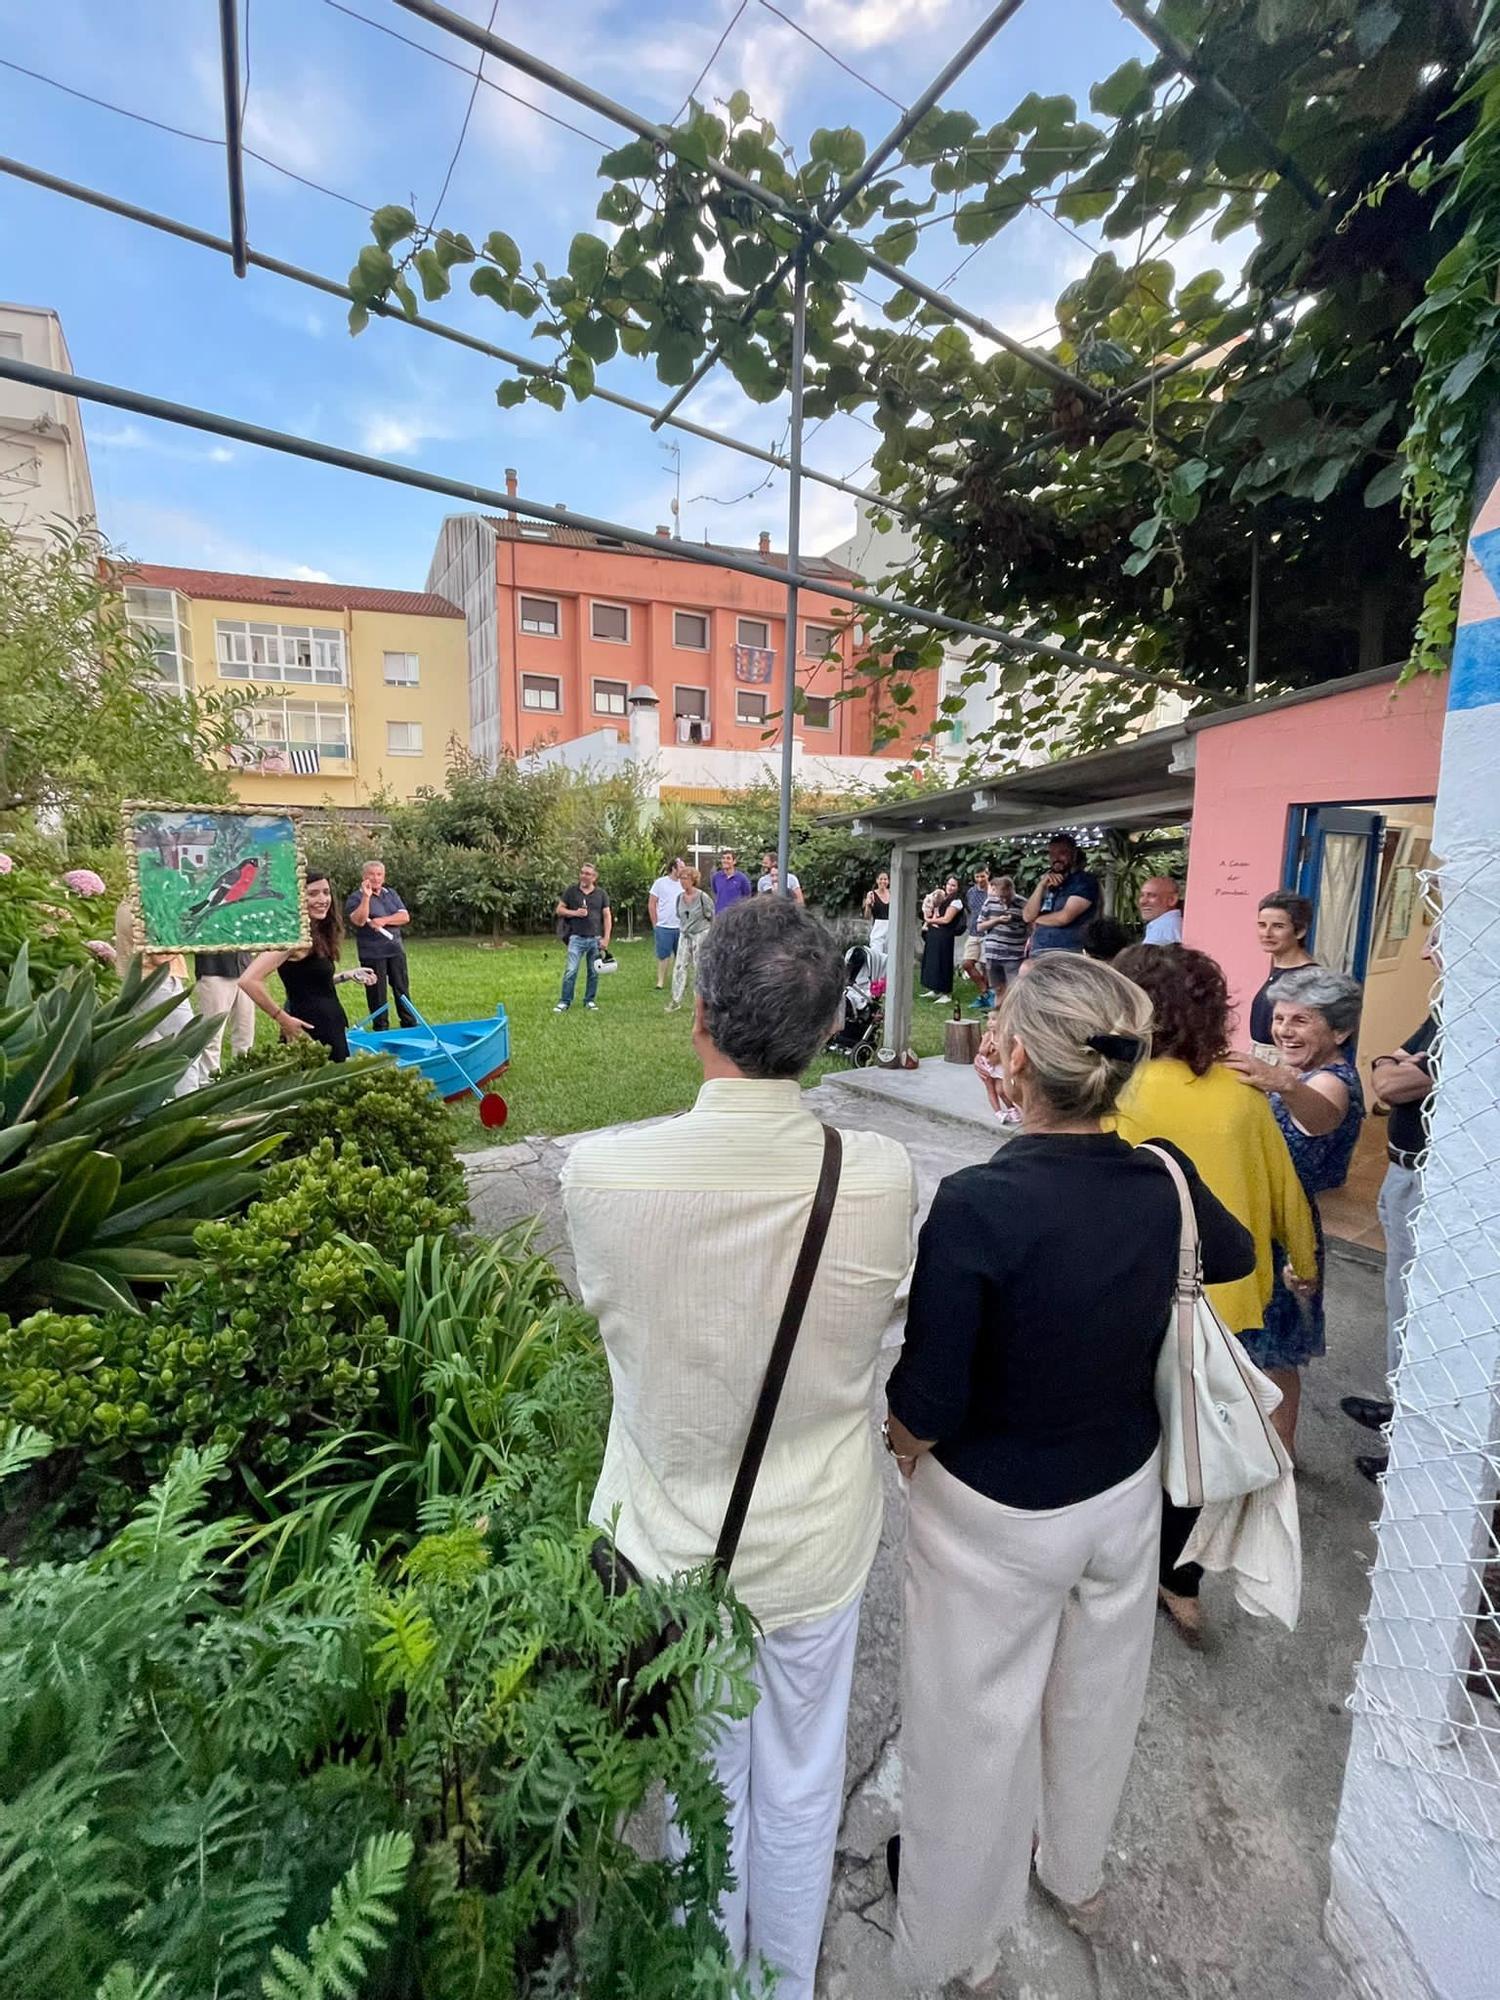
(578, 948)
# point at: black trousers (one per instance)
(1177, 1523)
(390, 973)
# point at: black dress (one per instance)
(1263, 1006)
(310, 997)
(937, 949)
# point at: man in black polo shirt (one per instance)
(1404, 1083)
(585, 920)
(380, 918)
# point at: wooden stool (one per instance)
(960, 1041)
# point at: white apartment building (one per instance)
(44, 467)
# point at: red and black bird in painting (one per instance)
(233, 886)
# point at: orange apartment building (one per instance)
(566, 627)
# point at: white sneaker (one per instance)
(592, 1006)
(561, 1007)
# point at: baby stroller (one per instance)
(858, 1036)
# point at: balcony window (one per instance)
(749, 707)
(690, 701)
(287, 726)
(690, 631)
(541, 616)
(403, 739)
(402, 670)
(611, 622)
(161, 615)
(542, 693)
(248, 651)
(609, 697)
(753, 632)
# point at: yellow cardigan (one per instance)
(1230, 1134)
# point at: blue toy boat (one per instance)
(458, 1058)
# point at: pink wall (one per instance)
(1368, 746)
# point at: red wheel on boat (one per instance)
(493, 1111)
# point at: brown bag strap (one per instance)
(781, 1353)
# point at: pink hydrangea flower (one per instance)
(101, 949)
(6, 864)
(84, 882)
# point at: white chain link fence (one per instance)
(1429, 1680)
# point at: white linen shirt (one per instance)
(688, 1337)
(1165, 929)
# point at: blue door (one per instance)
(1335, 863)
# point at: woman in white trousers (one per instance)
(1023, 1415)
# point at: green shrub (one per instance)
(390, 1117)
(38, 915)
(386, 1784)
(280, 1333)
(104, 1174)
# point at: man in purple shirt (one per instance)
(729, 883)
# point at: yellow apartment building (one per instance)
(359, 691)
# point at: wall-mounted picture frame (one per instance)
(215, 878)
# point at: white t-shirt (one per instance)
(764, 884)
(668, 893)
(1165, 929)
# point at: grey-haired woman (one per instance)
(1315, 1093)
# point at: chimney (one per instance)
(511, 489)
(665, 533)
(765, 544)
(645, 733)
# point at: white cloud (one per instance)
(399, 433)
(176, 535)
(131, 437)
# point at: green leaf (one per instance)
(1462, 377)
(897, 243)
(1386, 485)
(675, 355)
(1124, 92)
(372, 274)
(1189, 476)
(1124, 448)
(843, 257)
(588, 260)
(503, 251)
(1143, 535)
(1133, 565)
(841, 148)
(388, 225)
(512, 393)
(433, 273)
(1330, 473)
(598, 337)
(635, 162)
(541, 389)
(406, 296)
(1014, 676)
(488, 283)
(359, 318)
(739, 106)
(580, 373)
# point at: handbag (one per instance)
(1218, 1442)
(639, 1711)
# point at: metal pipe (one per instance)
(1183, 60)
(1252, 648)
(229, 62)
(59, 382)
(170, 226)
(793, 565)
(659, 135)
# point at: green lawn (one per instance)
(571, 1072)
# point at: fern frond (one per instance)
(340, 1948)
(21, 1445)
(122, 1982)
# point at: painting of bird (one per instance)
(233, 886)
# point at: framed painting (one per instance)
(216, 878)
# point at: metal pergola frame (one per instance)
(813, 225)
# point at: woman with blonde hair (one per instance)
(1023, 1414)
(695, 910)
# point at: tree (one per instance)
(83, 723)
(1066, 509)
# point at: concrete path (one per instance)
(1219, 1869)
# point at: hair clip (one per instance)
(1119, 1048)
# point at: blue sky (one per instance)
(342, 104)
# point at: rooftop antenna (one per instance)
(674, 452)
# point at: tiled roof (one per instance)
(290, 591)
(570, 537)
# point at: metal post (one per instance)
(229, 56)
(793, 564)
(1252, 649)
(901, 940)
